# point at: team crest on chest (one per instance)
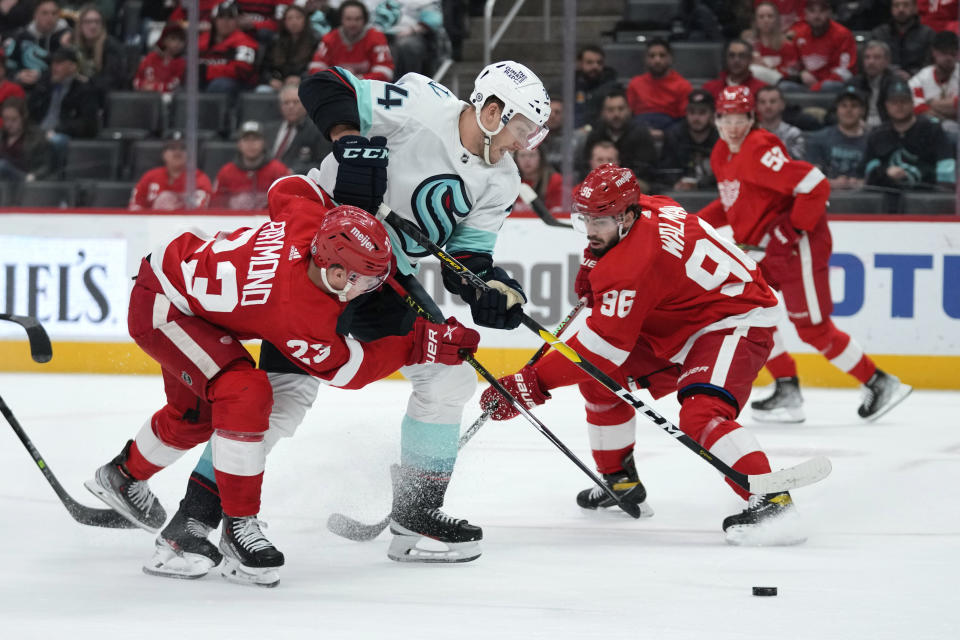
(729, 190)
(438, 203)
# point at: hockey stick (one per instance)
(352, 529)
(41, 352)
(803, 474)
(531, 198)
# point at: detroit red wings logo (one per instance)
(729, 191)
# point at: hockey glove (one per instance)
(783, 233)
(524, 385)
(498, 307)
(362, 175)
(581, 285)
(442, 343)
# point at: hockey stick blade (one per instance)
(347, 527)
(806, 473)
(40, 349)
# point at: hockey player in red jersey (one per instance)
(676, 308)
(775, 202)
(286, 281)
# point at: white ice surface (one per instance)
(882, 561)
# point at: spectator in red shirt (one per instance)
(828, 51)
(227, 54)
(355, 45)
(774, 57)
(737, 55)
(658, 97)
(8, 89)
(163, 68)
(243, 183)
(536, 172)
(939, 15)
(164, 188)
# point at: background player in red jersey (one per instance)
(286, 281)
(676, 308)
(773, 201)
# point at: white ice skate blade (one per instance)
(903, 390)
(408, 546)
(94, 487)
(168, 563)
(233, 571)
(781, 531)
(782, 415)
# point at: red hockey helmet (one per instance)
(606, 191)
(355, 240)
(735, 99)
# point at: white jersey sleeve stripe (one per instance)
(811, 180)
(349, 368)
(596, 344)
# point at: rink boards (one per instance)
(895, 282)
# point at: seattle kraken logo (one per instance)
(437, 203)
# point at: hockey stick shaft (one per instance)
(41, 352)
(347, 527)
(740, 479)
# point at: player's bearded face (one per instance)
(603, 232)
(733, 128)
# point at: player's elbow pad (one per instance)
(329, 101)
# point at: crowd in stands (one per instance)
(75, 76)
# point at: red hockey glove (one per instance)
(581, 285)
(524, 385)
(783, 233)
(441, 343)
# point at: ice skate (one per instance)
(131, 498)
(881, 393)
(626, 484)
(183, 550)
(248, 557)
(769, 520)
(421, 531)
(784, 405)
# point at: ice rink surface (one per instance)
(882, 559)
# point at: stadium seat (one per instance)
(144, 155)
(212, 112)
(6, 194)
(48, 193)
(651, 14)
(214, 154)
(133, 115)
(929, 203)
(853, 202)
(693, 201)
(105, 194)
(262, 107)
(93, 159)
(690, 59)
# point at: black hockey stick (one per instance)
(805, 473)
(531, 198)
(352, 529)
(41, 352)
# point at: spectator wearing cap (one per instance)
(25, 153)
(33, 45)
(164, 188)
(227, 54)
(909, 151)
(770, 108)
(658, 97)
(737, 55)
(593, 80)
(908, 38)
(163, 69)
(290, 53)
(828, 51)
(840, 150)
(64, 103)
(8, 89)
(295, 141)
(243, 183)
(685, 158)
(635, 145)
(935, 88)
(355, 45)
(875, 80)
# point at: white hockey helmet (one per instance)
(526, 103)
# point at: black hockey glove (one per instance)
(498, 307)
(362, 175)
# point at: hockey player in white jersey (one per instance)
(450, 171)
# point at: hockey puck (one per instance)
(764, 591)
